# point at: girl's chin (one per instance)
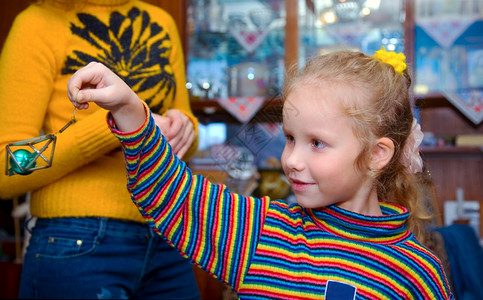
(308, 203)
(311, 202)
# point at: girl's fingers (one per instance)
(84, 79)
(81, 105)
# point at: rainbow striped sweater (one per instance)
(267, 249)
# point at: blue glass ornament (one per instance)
(22, 161)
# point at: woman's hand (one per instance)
(178, 130)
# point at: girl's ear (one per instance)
(382, 153)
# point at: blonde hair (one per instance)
(380, 107)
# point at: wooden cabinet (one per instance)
(8, 11)
(450, 167)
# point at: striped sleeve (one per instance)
(216, 229)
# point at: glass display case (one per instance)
(449, 53)
(327, 25)
(235, 48)
(238, 50)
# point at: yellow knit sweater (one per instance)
(45, 46)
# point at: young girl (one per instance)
(350, 157)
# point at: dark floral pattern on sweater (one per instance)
(132, 46)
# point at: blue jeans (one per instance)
(103, 258)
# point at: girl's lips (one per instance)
(298, 185)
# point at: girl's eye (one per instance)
(318, 144)
(290, 139)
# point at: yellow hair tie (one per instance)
(396, 60)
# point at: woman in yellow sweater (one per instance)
(89, 240)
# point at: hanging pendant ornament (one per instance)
(20, 160)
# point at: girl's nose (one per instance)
(294, 160)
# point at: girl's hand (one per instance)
(178, 130)
(96, 83)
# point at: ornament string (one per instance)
(72, 121)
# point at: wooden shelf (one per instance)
(431, 100)
(452, 150)
(210, 111)
(452, 153)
